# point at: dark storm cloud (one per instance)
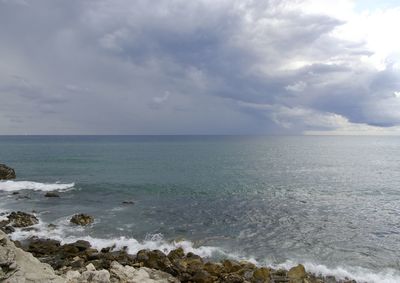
(183, 67)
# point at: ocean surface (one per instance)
(331, 203)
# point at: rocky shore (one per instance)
(47, 260)
(37, 260)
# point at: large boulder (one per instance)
(22, 219)
(6, 173)
(297, 274)
(19, 266)
(43, 247)
(82, 219)
(156, 260)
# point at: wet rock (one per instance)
(81, 245)
(69, 251)
(231, 266)
(193, 264)
(128, 202)
(107, 249)
(156, 260)
(7, 229)
(82, 219)
(6, 173)
(41, 247)
(214, 268)
(77, 262)
(51, 195)
(52, 226)
(202, 276)
(261, 275)
(21, 219)
(232, 278)
(297, 274)
(15, 193)
(176, 254)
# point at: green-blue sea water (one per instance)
(332, 203)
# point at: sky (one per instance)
(268, 67)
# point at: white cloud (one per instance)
(297, 87)
(161, 99)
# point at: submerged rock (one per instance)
(51, 195)
(6, 173)
(22, 219)
(82, 219)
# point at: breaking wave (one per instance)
(157, 241)
(11, 186)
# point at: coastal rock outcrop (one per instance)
(119, 273)
(6, 173)
(19, 266)
(22, 219)
(82, 219)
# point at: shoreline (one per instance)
(79, 258)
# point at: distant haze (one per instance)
(199, 67)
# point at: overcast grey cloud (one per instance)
(192, 67)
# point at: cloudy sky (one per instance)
(199, 67)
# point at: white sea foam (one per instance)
(133, 245)
(355, 273)
(157, 241)
(10, 186)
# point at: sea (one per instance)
(331, 203)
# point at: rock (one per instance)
(261, 275)
(82, 219)
(90, 267)
(176, 254)
(202, 276)
(77, 262)
(232, 278)
(157, 276)
(6, 173)
(101, 276)
(21, 219)
(69, 250)
(214, 268)
(7, 229)
(42, 247)
(297, 273)
(231, 266)
(72, 276)
(123, 273)
(52, 226)
(19, 266)
(51, 195)
(193, 265)
(156, 260)
(81, 245)
(15, 193)
(128, 202)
